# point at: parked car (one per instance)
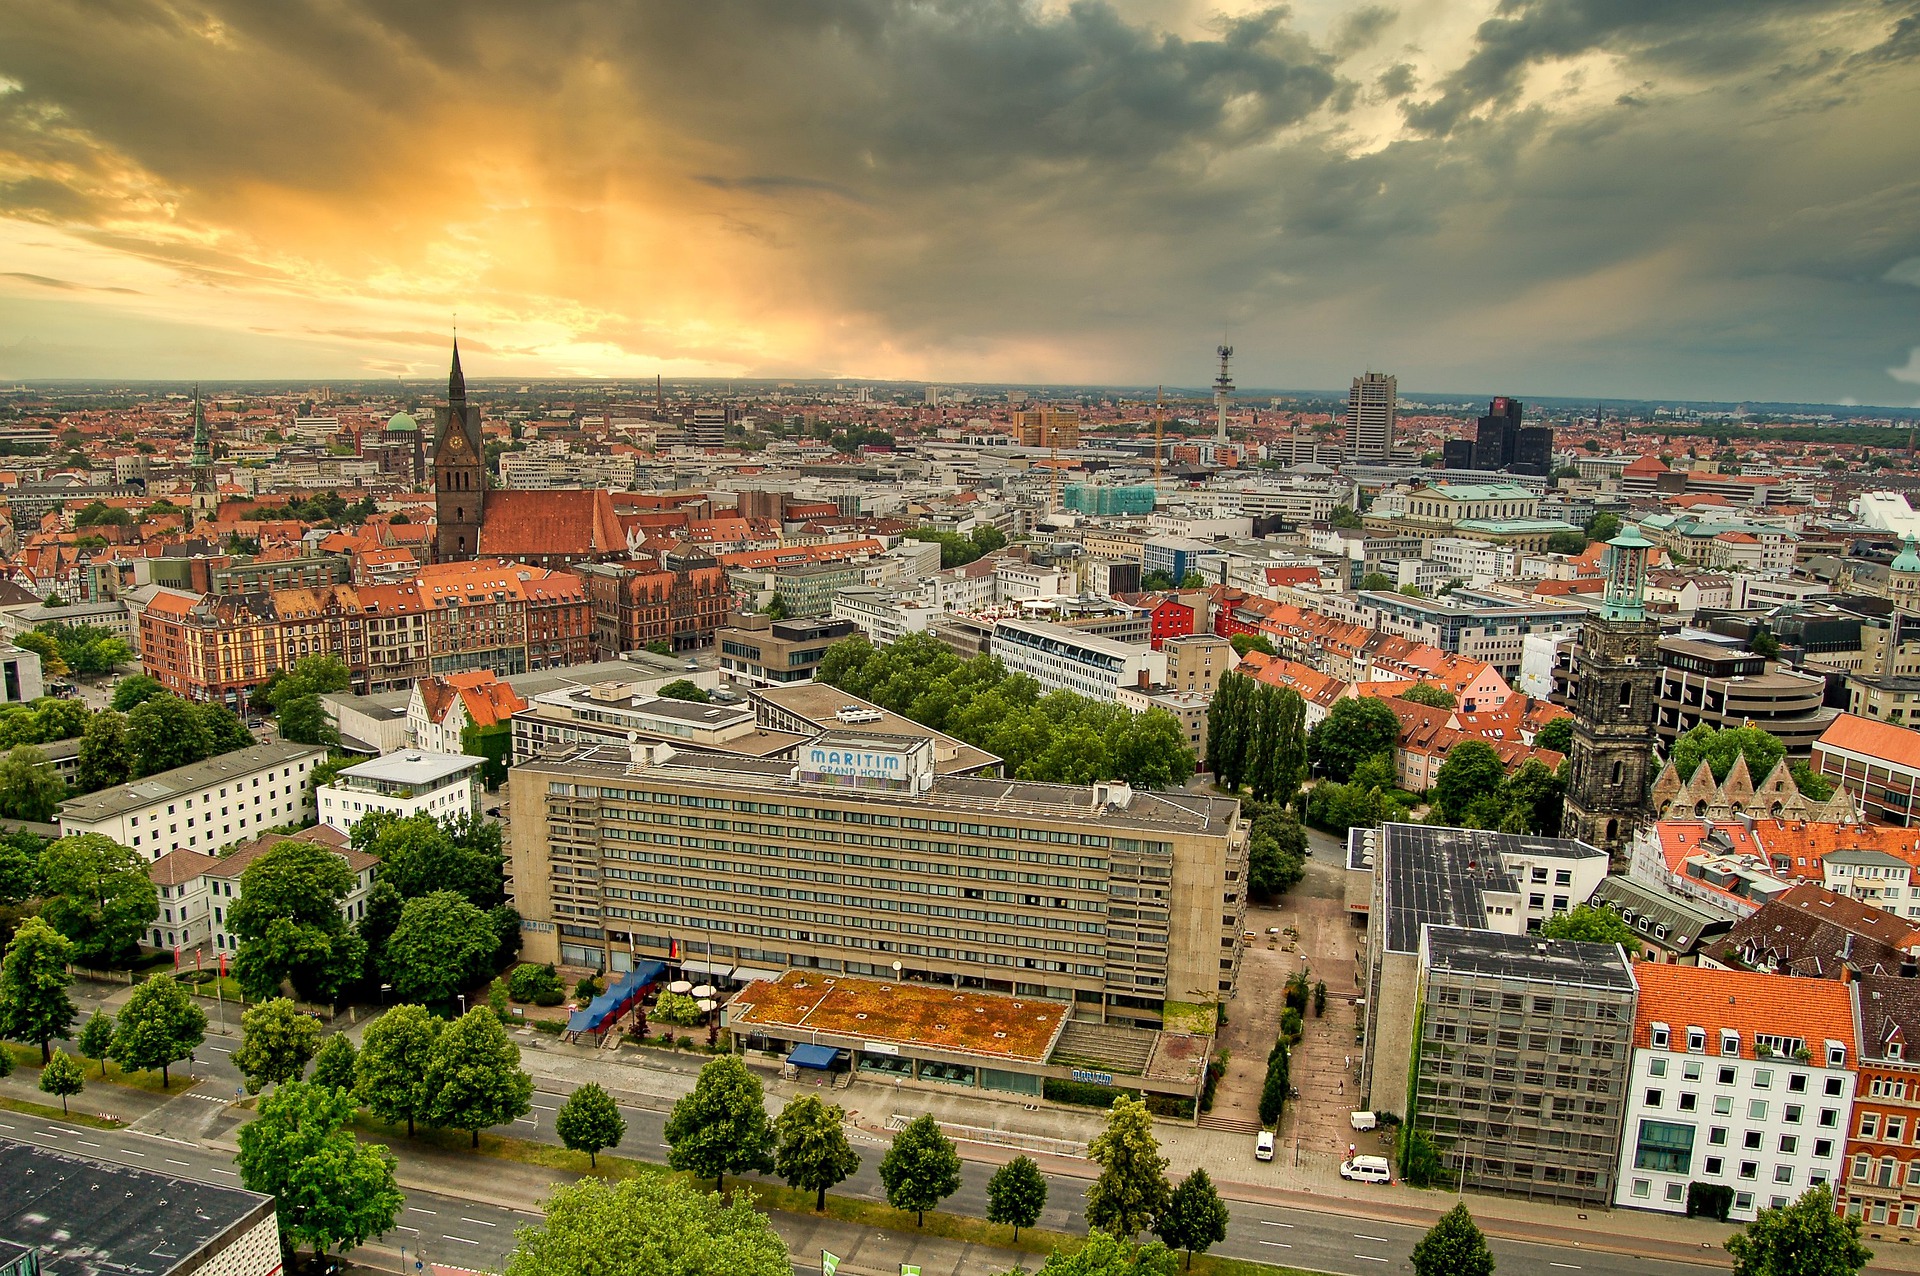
(1366, 1169)
(1263, 1146)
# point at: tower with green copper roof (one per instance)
(1610, 762)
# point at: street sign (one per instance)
(829, 1263)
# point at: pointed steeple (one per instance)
(202, 449)
(456, 380)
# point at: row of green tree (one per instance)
(957, 549)
(86, 650)
(1058, 737)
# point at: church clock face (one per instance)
(456, 444)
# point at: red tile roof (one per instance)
(1873, 739)
(1814, 1010)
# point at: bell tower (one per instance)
(1610, 763)
(459, 472)
(205, 500)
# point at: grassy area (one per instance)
(773, 1196)
(52, 1112)
(28, 1057)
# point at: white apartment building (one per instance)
(1875, 878)
(883, 615)
(179, 877)
(413, 782)
(1739, 1079)
(1062, 659)
(221, 881)
(1014, 581)
(207, 806)
(1476, 562)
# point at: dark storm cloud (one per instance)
(968, 176)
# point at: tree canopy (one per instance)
(1453, 1247)
(396, 1056)
(1807, 1238)
(276, 1043)
(1057, 737)
(29, 789)
(647, 1224)
(441, 945)
(475, 1077)
(1590, 925)
(289, 925)
(811, 1151)
(97, 893)
(34, 1005)
(1016, 1194)
(721, 1126)
(1718, 747)
(590, 1121)
(1354, 730)
(419, 855)
(330, 1190)
(1132, 1188)
(921, 1168)
(158, 1027)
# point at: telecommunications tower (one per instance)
(1222, 391)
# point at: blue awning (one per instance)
(822, 1057)
(616, 1000)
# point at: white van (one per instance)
(1362, 1120)
(1366, 1169)
(1263, 1146)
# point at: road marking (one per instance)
(1277, 1244)
(221, 1049)
(131, 1152)
(415, 1209)
(170, 1161)
(83, 1143)
(1569, 1266)
(483, 1222)
(403, 1227)
(1267, 1222)
(464, 1241)
(546, 1107)
(217, 1170)
(525, 1121)
(1383, 1240)
(5, 1126)
(1369, 1258)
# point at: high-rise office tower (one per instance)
(1497, 438)
(1370, 409)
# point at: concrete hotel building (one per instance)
(1370, 411)
(860, 859)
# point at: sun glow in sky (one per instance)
(1713, 199)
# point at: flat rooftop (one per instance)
(93, 1217)
(812, 707)
(1181, 811)
(413, 766)
(1485, 954)
(1438, 876)
(138, 794)
(909, 1014)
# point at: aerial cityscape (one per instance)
(1096, 640)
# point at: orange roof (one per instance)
(1873, 739)
(487, 700)
(1645, 465)
(531, 524)
(976, 1023)
(1746, 1002)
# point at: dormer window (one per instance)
(1659, 1035)
(1836, 1054)
(1893, 1050)
(1730, 1044)
(1697, 1040)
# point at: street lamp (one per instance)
(384, 990)
(463, 1002)
(896, 972)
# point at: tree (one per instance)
(721, 1125)
(1764, 644)
(1428, 694)
(1590, 925)
(441, 945)
(1812, 785)
(1195, 1218)
(275, 1045)
(475, 1076)
(1104, 1255)
(812, 1152)
(676, 1008)
(391, 1076)
(1807, 1238)
(88, 649)
(225, 731)
(1016, 1194)
(681, 689)
(1719, 747)
(329, 1189)
(44, 647)
(1566, 543)
(590, 1121)
(58, 719)
(312, 676)
(1419, 1159)
(1354, 730)
(1343, 516)
(1229, 728)
(1276, 851)
(29, 790)
(1377, 582)
(106, 759)
(647, 1224)
(1273, 1090)
(420, 855)
(1453, 1247)
(63, 1077)
(166, 732)
(1471, 772)
(1603, 526)
(1155, 581)
(289, 926)
(158, 1027)
(133, 691)
(19, 866)
(34, 1006)
(96, 1039)
(1243, 643)
(1556, 735)
(333, 1062)
(96, 892)
(920, 1169)
(1132, 1187)
(303, 720)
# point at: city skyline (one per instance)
(1699, 204)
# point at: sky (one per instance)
(1686, 199)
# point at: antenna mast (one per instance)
(1222, 390)
(1158, 391)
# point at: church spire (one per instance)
(202, 449)
(456, 381)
